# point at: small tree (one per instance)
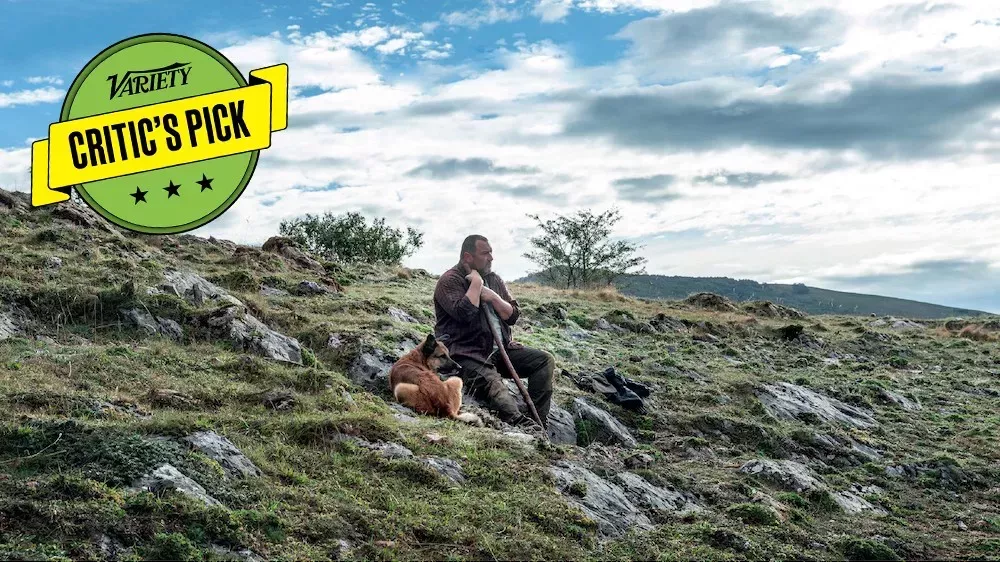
(574, 251)
(350, 238)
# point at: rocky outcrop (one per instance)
(796, 477)
(400, 315)
(246, 333)
(153, 325)
(8, 326)
(370, 370)
(711, 301)
(561, 427)
(194, 288)
(224, 452)
(287, 248)
(310, 288)
(896, 324)
(166, 477)
(768, 309)
(604, 427)
(450, 469)
(792, 402)
(620, 505)
(788, 475)
(900, 400)
(602, 501)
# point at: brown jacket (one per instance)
(466, 327)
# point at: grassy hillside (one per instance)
(811, 300)
(110, 374)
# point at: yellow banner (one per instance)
(158, 136)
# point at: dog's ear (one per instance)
(428, 346)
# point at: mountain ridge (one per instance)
(808, 299)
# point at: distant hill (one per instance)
(811, 300)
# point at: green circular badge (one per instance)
(146, 70)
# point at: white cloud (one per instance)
(834, 214)
(7, 83)
(314, 60)
(494, 11)
(818, 223)
(552, 10)
(54, 80)
(31, 97)
(14, 169)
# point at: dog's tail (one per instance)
(469, 418)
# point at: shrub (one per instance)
(349, 238)
(753, 514)
(863, 549)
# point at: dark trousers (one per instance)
(535, 367)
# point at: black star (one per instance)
(172, 190)
(139, 195)
(204, 182)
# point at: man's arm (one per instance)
(459, 302)
(505, 305)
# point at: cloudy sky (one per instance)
(851, 145)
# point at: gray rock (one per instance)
(223, 451)
(894, 471)
(268, 291)
(370, 370)
(249, 334)
(520, 438)
(280, 400)
(901, 401)
(166, 477)
(170, 328)
(194, 288)
(561, 427)
(447, 468)
(648, 496)
(153, 325)
(574, 331)
(143, 320)
(389, 450)
(604, 502)
(851, 451)
(788, 401)
(53, 262)
(341, 551)
(641, 460)
(401, 315)
(109, 548)
(334, 341)
(603, 324)
(789, 475)
(310, 288)
(664, 323)
(608, 429)
(403, 414)
(853, 503)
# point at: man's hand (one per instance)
(474, 277)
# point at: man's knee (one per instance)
(548, 367)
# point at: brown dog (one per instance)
(415, 383)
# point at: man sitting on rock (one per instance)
(469, 297)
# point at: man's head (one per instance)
(477, 254)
